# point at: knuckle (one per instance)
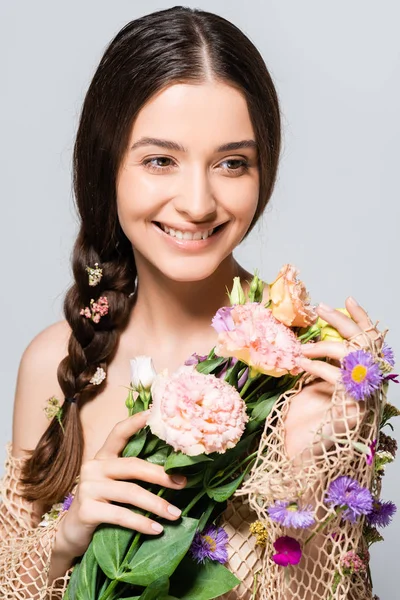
(86, 512)
(85, 488)
(87, 469)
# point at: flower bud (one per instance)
(142, 373)
(329, 333)
(256, 289)
(237, 294)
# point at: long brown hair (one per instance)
(179, 44)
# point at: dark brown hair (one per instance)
(179, 44)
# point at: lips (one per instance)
(184, 234)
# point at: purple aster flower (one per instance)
(382, 513)
(195, 359)
(346, 494)
(290, 514)
(288, 551)
(211, 543)
(360, 374)
(372, 451)
(388, 354)
(67, 501)
(222, 320)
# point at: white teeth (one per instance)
(186, 235)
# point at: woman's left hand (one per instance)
(309, 406)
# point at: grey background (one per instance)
(335, 212)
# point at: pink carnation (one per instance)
(196, 413)
(261, 341)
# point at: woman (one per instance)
(175, 159)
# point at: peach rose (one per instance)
(290, 302)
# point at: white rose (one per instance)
(142, 372)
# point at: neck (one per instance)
(164, 309)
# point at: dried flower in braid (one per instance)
(96, 310)
(95, 274)
(99, 376)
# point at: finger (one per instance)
(131, 493)
(360, 316)
(335, 350)
(342, 323)
(120, 434)
(93, 513)
(135, 468)
(320, 369)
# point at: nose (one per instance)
(195, 200)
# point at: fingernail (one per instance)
(353, 301)
(174, 510)
(325, 307)
(179, 479)
(157, 527)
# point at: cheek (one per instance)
(241, 199)
(137, 196)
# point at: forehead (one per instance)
(196, 115)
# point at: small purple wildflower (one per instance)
(67, 501)
(361, 375)
(372, 451)
(288, 551)
(346, 493)
(195, 359)
(222, 320)
(211, 543)
(382, 513)
(388, 354)
(290, 514)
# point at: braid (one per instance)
(53, 466)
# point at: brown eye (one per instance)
(158, 163)
(236, 166)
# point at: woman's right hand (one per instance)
(101, 482)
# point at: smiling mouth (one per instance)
(189, 235)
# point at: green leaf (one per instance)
(221, 461)
(264, 407)
(160, 556)
(223, 492)
(87, 575)
(110, 544)
(153, 443)
(208, 366)
(159, 457)
(192, 581)
(178, 460)
(138, 406)
(157, 587)
(72, 584)
(135, 444)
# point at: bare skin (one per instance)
(180, 288)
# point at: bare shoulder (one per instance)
(36, 383)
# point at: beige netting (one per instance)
(306, 478)
(26, 546)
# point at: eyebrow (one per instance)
(169, 145)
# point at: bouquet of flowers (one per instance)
(209, 420)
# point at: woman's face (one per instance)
(188, 185)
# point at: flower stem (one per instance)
(192, 503)
(246, 385)
(109, 591)
(321, 527)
